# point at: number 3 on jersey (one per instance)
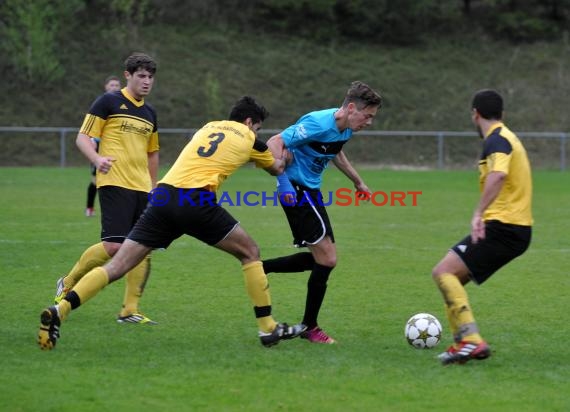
(216, 140)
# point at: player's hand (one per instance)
(287, 157)
(477, 228)
(104, 164)
(363, 192)
(287, 199)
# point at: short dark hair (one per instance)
(489, 104)
(246, 107)
(110, 78)
(138, 61)
(362, 96)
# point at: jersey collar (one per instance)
(493, 127)
(137, 103)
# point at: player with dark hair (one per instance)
(215, 151)
(501, 226)
(314, 140)
(127, 167)
(112, 84)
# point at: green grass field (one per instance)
(205, 355)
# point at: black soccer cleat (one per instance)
(281, 332)
(49, 328)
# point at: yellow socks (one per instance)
(93, 257)
(452, 324)
(96, 256)
(85, 289)
(91, 284)
(136, 281)
(63, 309)
(458, 309)
(257, 288)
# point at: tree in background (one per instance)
(36, 34)
(399, 22)
(30, 32)
(520, 20)
(213, 105)
(124, 18)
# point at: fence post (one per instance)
(62, 159)
(440, 150)
(562, 151)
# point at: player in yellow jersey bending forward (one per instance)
(127, 167)
(501, 226)
(184, 203)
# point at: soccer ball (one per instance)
(423, 331)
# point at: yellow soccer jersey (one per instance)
(503, 152)
(215, 152)
(128, 132)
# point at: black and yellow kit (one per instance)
(128, 131)
(503, 152)
(508, 220)
(215, 152)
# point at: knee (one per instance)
(111, 248)
(331, 262)
(328, 261)
(251, 252)
(442, 267)
(436, 272)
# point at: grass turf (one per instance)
(205, 355)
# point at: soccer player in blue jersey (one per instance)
(501, 226)
(314, 140)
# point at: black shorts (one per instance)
(503, 242)
(120, 210)
(308, 218)
(193, 212)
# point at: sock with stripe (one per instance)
(257, 288)
(459, 309)
(85, 289)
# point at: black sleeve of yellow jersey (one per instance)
(260, 146)
(496, 144)
(154, 116)
(101, 107)
(261, 155)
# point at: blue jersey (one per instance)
(314, 140)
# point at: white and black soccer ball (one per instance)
(423, 331)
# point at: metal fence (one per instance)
(50, 146)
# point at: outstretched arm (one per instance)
(280, 152)
(342, 162)
(278, 148)
(277, 168)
